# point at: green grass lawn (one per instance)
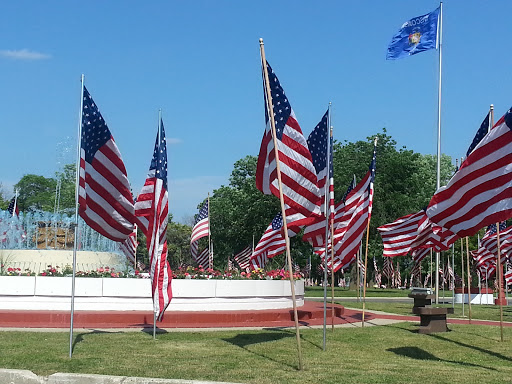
(383, 354)
(345, 292)
(481, 312)
(370, 292)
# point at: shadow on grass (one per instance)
(482, 350)
(421, 354)
(80, 337)
(243, 340)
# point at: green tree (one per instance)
(4, 202)
(37, 193)
(67, 190)
(404, 180)
(178, 244)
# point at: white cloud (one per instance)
(173, 140)
(24, 54)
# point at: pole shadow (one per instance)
(244, 340)
(420, 354)
(478, 349)
(79, 337)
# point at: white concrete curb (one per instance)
(18, 376)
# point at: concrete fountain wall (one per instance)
(130, 294)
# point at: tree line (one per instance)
(239, 214)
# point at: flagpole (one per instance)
(16, 191)
(158, 140)
(365, 266)
(270, 108)
(438, 183)
(499, 274)
(469, 278)
(367, 238)
(326, 204)
(77, 181)
(462, 269)
(210, 260)
(500, 281)
(453, 277)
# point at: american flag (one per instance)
(427, 278)
(433, 236)
(484, 261)
(129, 246)
(360, 199)
(152, 210)
(201, 229)
(415, 272)
(342, 215)
(419, 254)
(13, 206)
(272, 242)
(480, 193)
(387, 268)
(361, 266)
(480, 134)
(398, 236)
(508, 277)
(203, 259)
(378, 276)
(243, 257)
(490, 240)
(106, 203)
(317, 143)
(298, 175)
(259, 261)
(398, 276)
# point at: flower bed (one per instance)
(187, 272)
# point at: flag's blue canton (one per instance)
(373, 164)
(95, 132)
(277, 222)
(349, 189)
(508, 118)
(11, 206)
(159, 161)
(280, 104)
(317, 144)
(203, 213)
(482, 131)
(416, 35)
(491, 229)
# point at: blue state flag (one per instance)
(416, 35)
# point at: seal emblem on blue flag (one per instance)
(416, 35)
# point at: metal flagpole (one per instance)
(16, 192)
(431, 274)
(453, 277)
(270, 109)
(469, 278)
(326, 205)
(444, 279)
(210, 260)
(358, 280)
(438, 183)
(158, 136)
(486, 282)
(366, 251)
(77, 181)
(499, 275)
(462, 269)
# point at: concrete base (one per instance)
(432, 320)
(18, 376)
(43, 293)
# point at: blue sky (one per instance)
(199, 62)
